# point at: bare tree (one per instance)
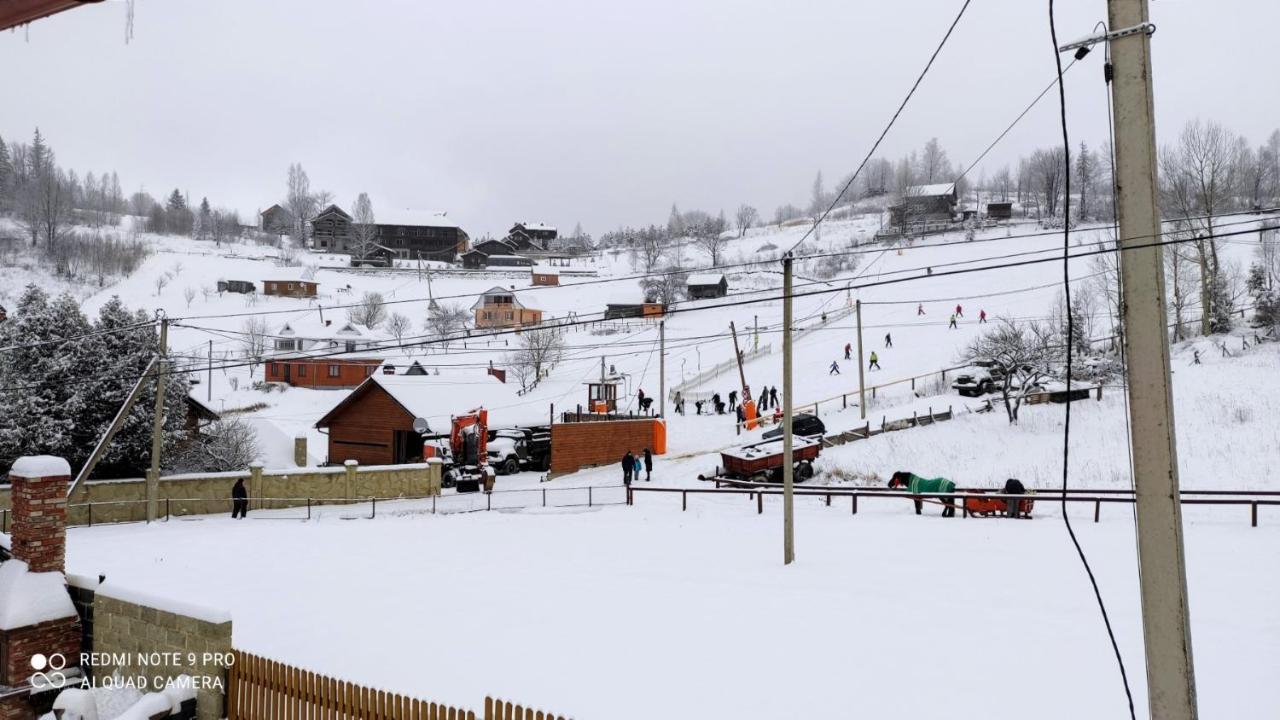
(364, 231)
(1105, 282)
(1002, 183)
(1049, 169)
(665, 287)
(189, 294)
(934, 166)
(746, 218)
(160, 282)
(707, 236)
(399, 325)
(224, 446)
(299, 201)
(1023, 353)
(253, 339)
(447, 320)
(371, 311)
(539, 349)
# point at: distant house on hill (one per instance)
(544, 277)
(275, 220)
(499, 308)
(925, 204)
(236, 286)
(474, 259)
(622, 311)
(501, 261)
(290, 288)
(309, 352)
(532, 236)
(399, 235)
(707, 285)
(497, 247)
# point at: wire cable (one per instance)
(1066, 428)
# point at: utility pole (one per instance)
(1166, 624)
(755, 322)
(209, 380)
(662, 368)
(157, 422)
(862, 383)
(788, 472)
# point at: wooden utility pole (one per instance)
(209, 379)
(157, 421)
(1166, 619)
(862, 381)
(662, 368)
(788, 471)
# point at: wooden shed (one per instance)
(290, 288)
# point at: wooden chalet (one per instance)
(400, 235)
(321, 372)
(474, 259)
(499, 308)
(275, 220)
(532, 236)
(290, 288)
(925, 204)
(707, 285)
(1000, 210)
(622, 311)
(544, 277)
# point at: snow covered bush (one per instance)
(224, 446)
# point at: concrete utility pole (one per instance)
(788, 472)
(662, 368)
(1171, 686)
(209, 379)
(157, 421)
(862, 382)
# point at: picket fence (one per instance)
(262, 689)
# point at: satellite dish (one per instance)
(420, 426)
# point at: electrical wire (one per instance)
(876, 145)
(1066, 428)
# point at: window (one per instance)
(302, 370)
(351, 346)
(335, 371)
(272, 369)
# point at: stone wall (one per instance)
(130, 628)
(576, 445)
(201, 494)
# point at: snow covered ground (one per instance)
(644, 611)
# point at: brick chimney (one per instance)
(39, 529)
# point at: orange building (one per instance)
(499, 308)
(321, 372)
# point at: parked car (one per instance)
(983, 377)
(802, 424)
(511, 450)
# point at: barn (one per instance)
(707, 285)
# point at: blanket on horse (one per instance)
(917, 485)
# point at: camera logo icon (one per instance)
(48, 673)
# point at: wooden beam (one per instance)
(19, 12)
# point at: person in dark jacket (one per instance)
(733, 399)
(773, 396)
(764, 398)
(239, 500)
(648, 464)
(628, 466)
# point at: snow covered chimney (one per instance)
(39, 528)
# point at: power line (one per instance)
(876, 145)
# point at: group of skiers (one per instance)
(634, 463)
(873, 362)
(717, 405)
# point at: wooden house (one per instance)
(398, 235)
(503, 261)
(925, 204)
(499, 308)
(321, 372)
(621, 311)
(545, 277)
(1000, 210)
(707, 285)
(474, 259)
(275, 220)
(290, 288)
(532, 236)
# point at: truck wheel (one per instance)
(510, 467)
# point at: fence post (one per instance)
(166, 509)
(913, 384)
(374, 502)
(1097, 508)
(1099, 391)
(308, 508)
(6, 515)
(544, 497)
(684, 500)
(828, 499)
(1253, 511)
(488, 502)
(853, 506)
(914, 419)
(760, 503)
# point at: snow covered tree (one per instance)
(934, 167)
(538, 350)
(675, 222)
(371, 311)
(818, 197)
(1086, 179)
(707, 235)
(6, 177)
(399, 325)
(1022, 353)
(746, 217)
(224, 446)
(364, 231)
(446, 321)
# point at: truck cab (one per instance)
(514, 449)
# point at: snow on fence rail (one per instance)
(1252, 498)
(309, 508)
(258, 687)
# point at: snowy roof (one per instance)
(422, 218)
(932, 190)
(545, 271)
(28, 598)
(498, 290)
(311, 327)
(40, 466)
(706, 279)
(508, 257)
(440, 397)
(536, 226)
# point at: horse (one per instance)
(917, 485)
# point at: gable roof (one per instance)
(413, 218)
(934, 190)
(437, 397)
(499, 290)
(706, 279)
(535, 226)
(331, 208)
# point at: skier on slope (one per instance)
(835, 368)
(875, 361)
(953, 325)
(959, 311)
(982, 317)
(848, 348)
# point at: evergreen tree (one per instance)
(675, 222)
(6, 177)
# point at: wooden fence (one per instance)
(263, 689)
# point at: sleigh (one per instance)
(987, 507)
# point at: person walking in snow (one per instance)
(773, 397)
(982, 317)
(648, 464)
(628, 467)
(959, 311)
(717, 403)
(639, 465)
(697, 407)
(919, 309)
(875, 361)
(847, 349)
(1195, 359)
(764, 398)
(888, 340)
(679, 403)
(953, 325)
(239, 500)
(733, 399)
(835, 368)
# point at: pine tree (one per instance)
(675, 222)
(6, 177)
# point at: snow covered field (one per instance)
(645, 611)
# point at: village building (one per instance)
(925, 204)
(313, 353)
(622, 311)
(290, 288)
(1000, 210)
(275, 220)
(398, 235)
(532, 236)
(499, 308)
(707, 285)
(544, 277)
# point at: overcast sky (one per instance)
(581, 110)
